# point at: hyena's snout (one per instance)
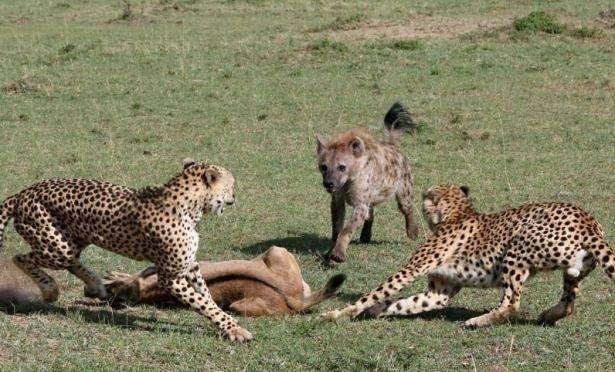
(329, 185)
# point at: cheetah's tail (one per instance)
(396, 122)
(604, 255)
(6, 212)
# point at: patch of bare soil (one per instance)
(607, 18)
(419, 27)
(26, 84)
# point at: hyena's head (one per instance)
(340, 158)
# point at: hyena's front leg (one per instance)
(404, 203)
(183, 287)
(338, 212)
(366, 231)
(359, 215)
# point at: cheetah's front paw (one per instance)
(330, 315)
(481, 321)
(238, 334)
(333, 315)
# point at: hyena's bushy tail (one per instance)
(6, 212)
(396, 122)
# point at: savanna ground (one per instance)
(100, 89)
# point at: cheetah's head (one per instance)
(440, 203)
(212, 187)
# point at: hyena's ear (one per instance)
(210, 176)
(357, 146)
(188, 162)
(320, 144)
(465, 189)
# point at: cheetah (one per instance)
(59, 218)
(470, 249)
(360, 171)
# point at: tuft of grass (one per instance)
(62, 5)
(341, 23)
(586, 32)
(127, 13)
(323, 45)
(405, 44)
(538, 21)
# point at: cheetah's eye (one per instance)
(341, 168)
(323, 168)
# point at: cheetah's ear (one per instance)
(465, 189)
(320, 144)
(357, 146)
(210, 176)
(188, 162)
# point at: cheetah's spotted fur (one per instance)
(60, 217)
(469, 249)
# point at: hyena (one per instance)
(363, 172)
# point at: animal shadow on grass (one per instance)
(301, 243)
(309, 243)
(452, 314)
(99, 316)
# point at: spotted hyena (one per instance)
(363, 172)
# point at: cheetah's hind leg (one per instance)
(565, 307)
(54, 248)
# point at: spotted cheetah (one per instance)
(61, 217)
(363, 172)
(470, 249)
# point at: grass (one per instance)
(539, 21)
(586, 32)
(240, 83)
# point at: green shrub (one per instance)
(539, 21)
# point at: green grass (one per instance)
(586, 32)
(539, 21)
(86, 91)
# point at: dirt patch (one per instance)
(607, 18)
(27, 84)
(419, 27)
